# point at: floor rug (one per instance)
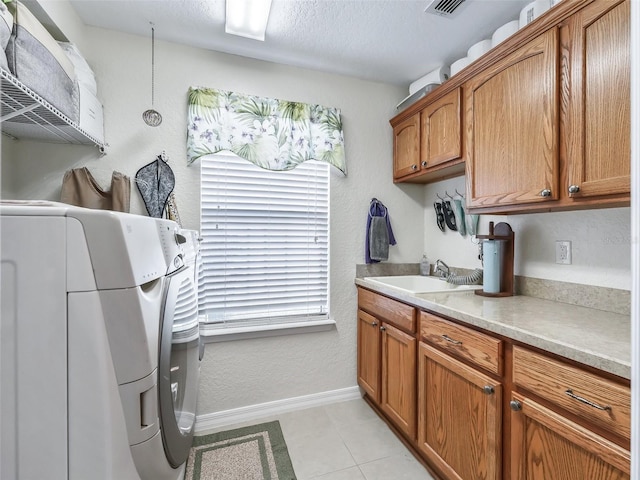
(258, 452)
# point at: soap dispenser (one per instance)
(425, 266)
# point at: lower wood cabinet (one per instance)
(546, 445)
(476, 406)
(459, 417)
(369, 355)
(398, 380)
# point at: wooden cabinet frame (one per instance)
(461, 444)
(415, 382)
(428, 144)
(589, 146)
(584, 452)
(596, 129)
(512, 119)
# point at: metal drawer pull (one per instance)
(587, 402)
(451, 340)
(515, 405)
(488, 389)
(374, 324)
(545, 193)
(382, 329)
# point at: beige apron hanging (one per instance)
(81, 189)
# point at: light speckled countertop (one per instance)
(593, 337)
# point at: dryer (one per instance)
(99, 345)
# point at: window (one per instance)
(265, 248)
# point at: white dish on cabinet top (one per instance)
(419, 284)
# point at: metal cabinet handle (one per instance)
(515, 405)
(451, 340)
(574, 189)
(374, 324)
(382, 329)
(424, 163)
(488, 389)
(414, 167)
(545, 193)
(587, 402)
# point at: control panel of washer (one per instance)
(172, 243)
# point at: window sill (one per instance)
(261, 331)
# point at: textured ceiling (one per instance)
(390, 41)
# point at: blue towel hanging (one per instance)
(379, 234)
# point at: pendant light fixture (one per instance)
(152, 117)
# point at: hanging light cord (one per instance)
(151, 117)
(153, 63)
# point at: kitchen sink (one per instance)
(420, 284)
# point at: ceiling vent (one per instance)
(445, 8)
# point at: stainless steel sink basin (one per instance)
(420, 284)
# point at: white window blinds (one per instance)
(265, 242)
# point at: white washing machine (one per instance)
(99, 345)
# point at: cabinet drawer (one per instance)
(478, 348)
(596, 399)
(392, 311)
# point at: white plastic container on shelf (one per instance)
(459, 65)
(91, 114)
(478, 49)
(532, 11)
(504, 32)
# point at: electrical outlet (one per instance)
(563, 252)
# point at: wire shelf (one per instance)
(25, 114)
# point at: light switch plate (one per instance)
(563, 252)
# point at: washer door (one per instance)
(179, 366)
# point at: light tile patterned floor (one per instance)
(345, 441)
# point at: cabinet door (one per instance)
(406, 147)
(512, 127)
(398, 398)
(441, 130)
(597, 127)
(369, 355)
(548, 446)
(459, 417)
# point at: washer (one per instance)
(99, 345)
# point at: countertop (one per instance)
(593, 337)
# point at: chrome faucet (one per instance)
(442, 269)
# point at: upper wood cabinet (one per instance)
(544, 116)
(406, 147)
(548, 125)
(427, 146)
(512, 127)
(596, 125)
(441, 132)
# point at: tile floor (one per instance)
(344, 441)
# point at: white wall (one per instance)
(241, 373)
(600, 240)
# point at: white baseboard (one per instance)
(210, 421)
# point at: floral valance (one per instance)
(271, 133)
